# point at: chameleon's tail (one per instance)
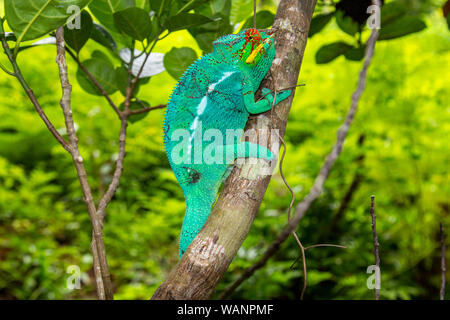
(197, 212)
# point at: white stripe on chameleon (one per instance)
(202, 106)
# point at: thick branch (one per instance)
(98, 244)
(207, 258)
(317, 187)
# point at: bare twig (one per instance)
(443, 266)
(146, 109)
(18, 74)
(316, 189)
(95, 82)
(376, 244)
(98, 244)
(112, 188)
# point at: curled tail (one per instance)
(197, 212)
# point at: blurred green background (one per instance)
(397, 150)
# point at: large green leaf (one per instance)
(219, 10)
(331, 51)
(401, 27)
(177, 60)
(102, 71)
(77, 38)
(32, 19)
(134, 22)
(102, 36)
(319, 22)
(264, 19)
(346, 23)
(355, 54)
(240, 9)
(103, 10)
(186, 20)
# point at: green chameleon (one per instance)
(216, 95)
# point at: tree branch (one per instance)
(317, 187)
(376, 244)
(207, 258)
(98, 245)
(18, 74)
(95, 82)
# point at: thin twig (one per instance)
(376, 244)
(443, 266)
(95, 82)
(98, 244)
(146, 109)
(30, 93)
(316, 189)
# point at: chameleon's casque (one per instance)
(216, 92)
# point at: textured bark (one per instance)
(202, 266)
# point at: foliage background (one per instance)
(397, 150)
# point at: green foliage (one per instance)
(135, 22)
(103, 72)
(177, 60)
(77, 38)
(331, 51)
(34, 18)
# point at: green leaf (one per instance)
(219, 10)
(355, 54)
(143, 4)
(392, 11)
(135, 22)
(103, 10)
(240, 9)
(34, 18)
(346, 24)
(186, 20)
(100, 55)
(102, 71)
(264, 19)
(177, 60)
(319, 22)
(103, 37)
(135, 105)
(77, 38)
(401, 27)
(448, 21)
(331, 51)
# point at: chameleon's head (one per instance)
(250, 48)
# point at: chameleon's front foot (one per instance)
(267, 95)
(266, 103)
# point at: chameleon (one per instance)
(217, 92)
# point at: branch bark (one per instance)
(96, 221)
(317, 187)
(202, 266)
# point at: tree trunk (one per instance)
(202, 266)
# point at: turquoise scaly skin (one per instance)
(216, 92)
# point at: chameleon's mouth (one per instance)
(255, 52)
